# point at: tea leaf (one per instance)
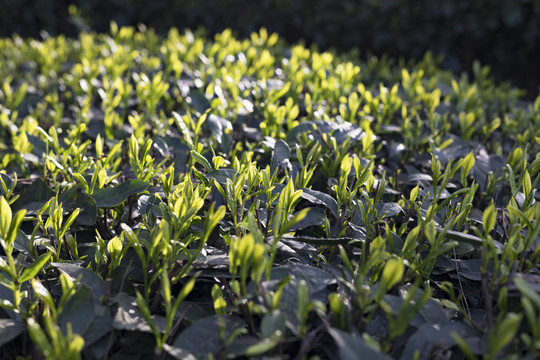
(112, 196)
(325, 241)
(222, 175)
(202, 160)
(489, 218)
(5, 218)
(349, 346)
(32, 270)
(388, 209)
(204, 336)
(527, 291)
(87, 277)
(430, 337)
(10, 329)
(280, 156)
(318, 197)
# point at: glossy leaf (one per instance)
(75, 198)
(88, 277)
(112, 196)
(280, 156)
(318, 197)
(389, 209)
(222, 175)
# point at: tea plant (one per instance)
(190, 197)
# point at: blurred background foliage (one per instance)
(504, 34)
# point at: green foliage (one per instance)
(501, 33)
(242, 198)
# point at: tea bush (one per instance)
(188, 197)
(501, 33)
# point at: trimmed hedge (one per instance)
(502, 33)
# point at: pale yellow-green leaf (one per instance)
(504, 332)
(392, 272)
(5, 217)
(414, 193)
(489, 218)
(526, 183)
(430, 232)
(468, 163)
(114, 246)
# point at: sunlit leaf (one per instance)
(35, 267)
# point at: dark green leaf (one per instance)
(88, 277)
(21, 242)
(101, 324)
(318, 197)
(532, 281)
(217, 125)
(429, 338)
(222, 175)
(75, 198)
(147, 204)
(353, 347)
(7, 296)
(33, 197)
(280, 156)
(200, 176)
(341, 131)
(273, 323)
(466, 237)
(430, 192)
(314, 216)
(388, 209)
(464, 248)
(458, 149)
(325, 241)
(318, 279)
(129, 317)
(203, 337)
(194, 311)
(78, 311)
(10, 329)
(484, 164)
(470, 269)
(137, 345)
(178, 353)
(198, 100)
(433, 312)
(112, 196)
(415, 178)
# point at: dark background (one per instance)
(504, 34)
